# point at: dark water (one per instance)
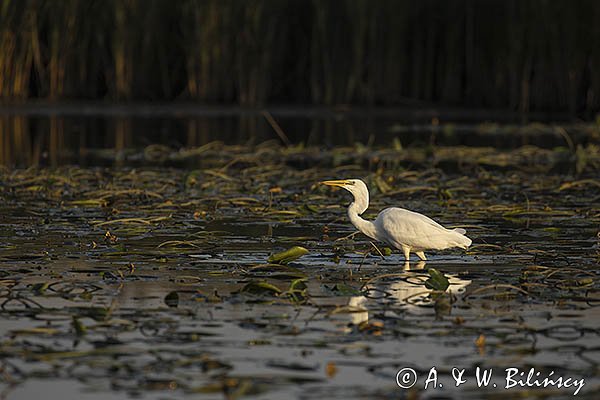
(95, 134)
(122, 282)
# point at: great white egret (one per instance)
(403, 229)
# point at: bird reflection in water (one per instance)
(408, 291)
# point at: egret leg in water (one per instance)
(403, 229)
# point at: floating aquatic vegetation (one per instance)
(288, 256)
(169, 281)
(261, 288)
(437, 280)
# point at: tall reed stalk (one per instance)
(511, 54)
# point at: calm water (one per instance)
(121, 282)
(92, 134)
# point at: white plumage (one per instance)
(403, 229)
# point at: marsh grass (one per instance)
(500, 54)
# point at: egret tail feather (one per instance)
(465, 242)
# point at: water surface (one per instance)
(129, 281)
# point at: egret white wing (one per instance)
(404, 227)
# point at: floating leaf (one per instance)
(172, 299)
(289, 255)
(551, 229)
(341, 289)
(437, 280)
(35, 331)
(96, 313)
(209, 388)
(298, 284)
(260, 288)
(297, 290)
(309, 208)
(40, 288)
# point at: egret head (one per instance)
(355, 186)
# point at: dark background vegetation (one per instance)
(517, 55)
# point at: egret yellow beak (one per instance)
(340, 183)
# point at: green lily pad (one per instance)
(437, 280)
(287, 256)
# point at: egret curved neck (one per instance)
(366, 227)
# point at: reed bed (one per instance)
(523, 56)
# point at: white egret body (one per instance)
(403, 229)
